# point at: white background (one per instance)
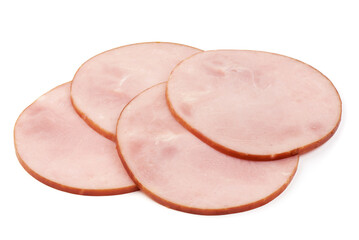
(42, 43)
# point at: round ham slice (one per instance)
(179, 171)
(57, 148)
(107, 82)
(254, 105)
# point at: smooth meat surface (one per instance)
(57, 147)
(254, 105)
(179, 171)
(107, 82)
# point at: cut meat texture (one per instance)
(57, 148)
(107, 82)
(254, 105)
(181, 172)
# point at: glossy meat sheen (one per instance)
(57, 147)
(107, 82)
(254, 105)
(179, 171)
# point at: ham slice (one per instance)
(107, 82)
(57, 148)
(179, 171)
(254, 105)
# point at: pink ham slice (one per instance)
(107, 82)
(254, 105)
(57, 148)
(179, 171)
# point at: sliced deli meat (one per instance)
(57, 148)
(179, 171)
(254, 105)
(107, 82)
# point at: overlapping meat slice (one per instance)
(57, 148)
(107, 82)
(254, 105)
(181, 172)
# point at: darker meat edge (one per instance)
(92, 124)
(79, 191)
